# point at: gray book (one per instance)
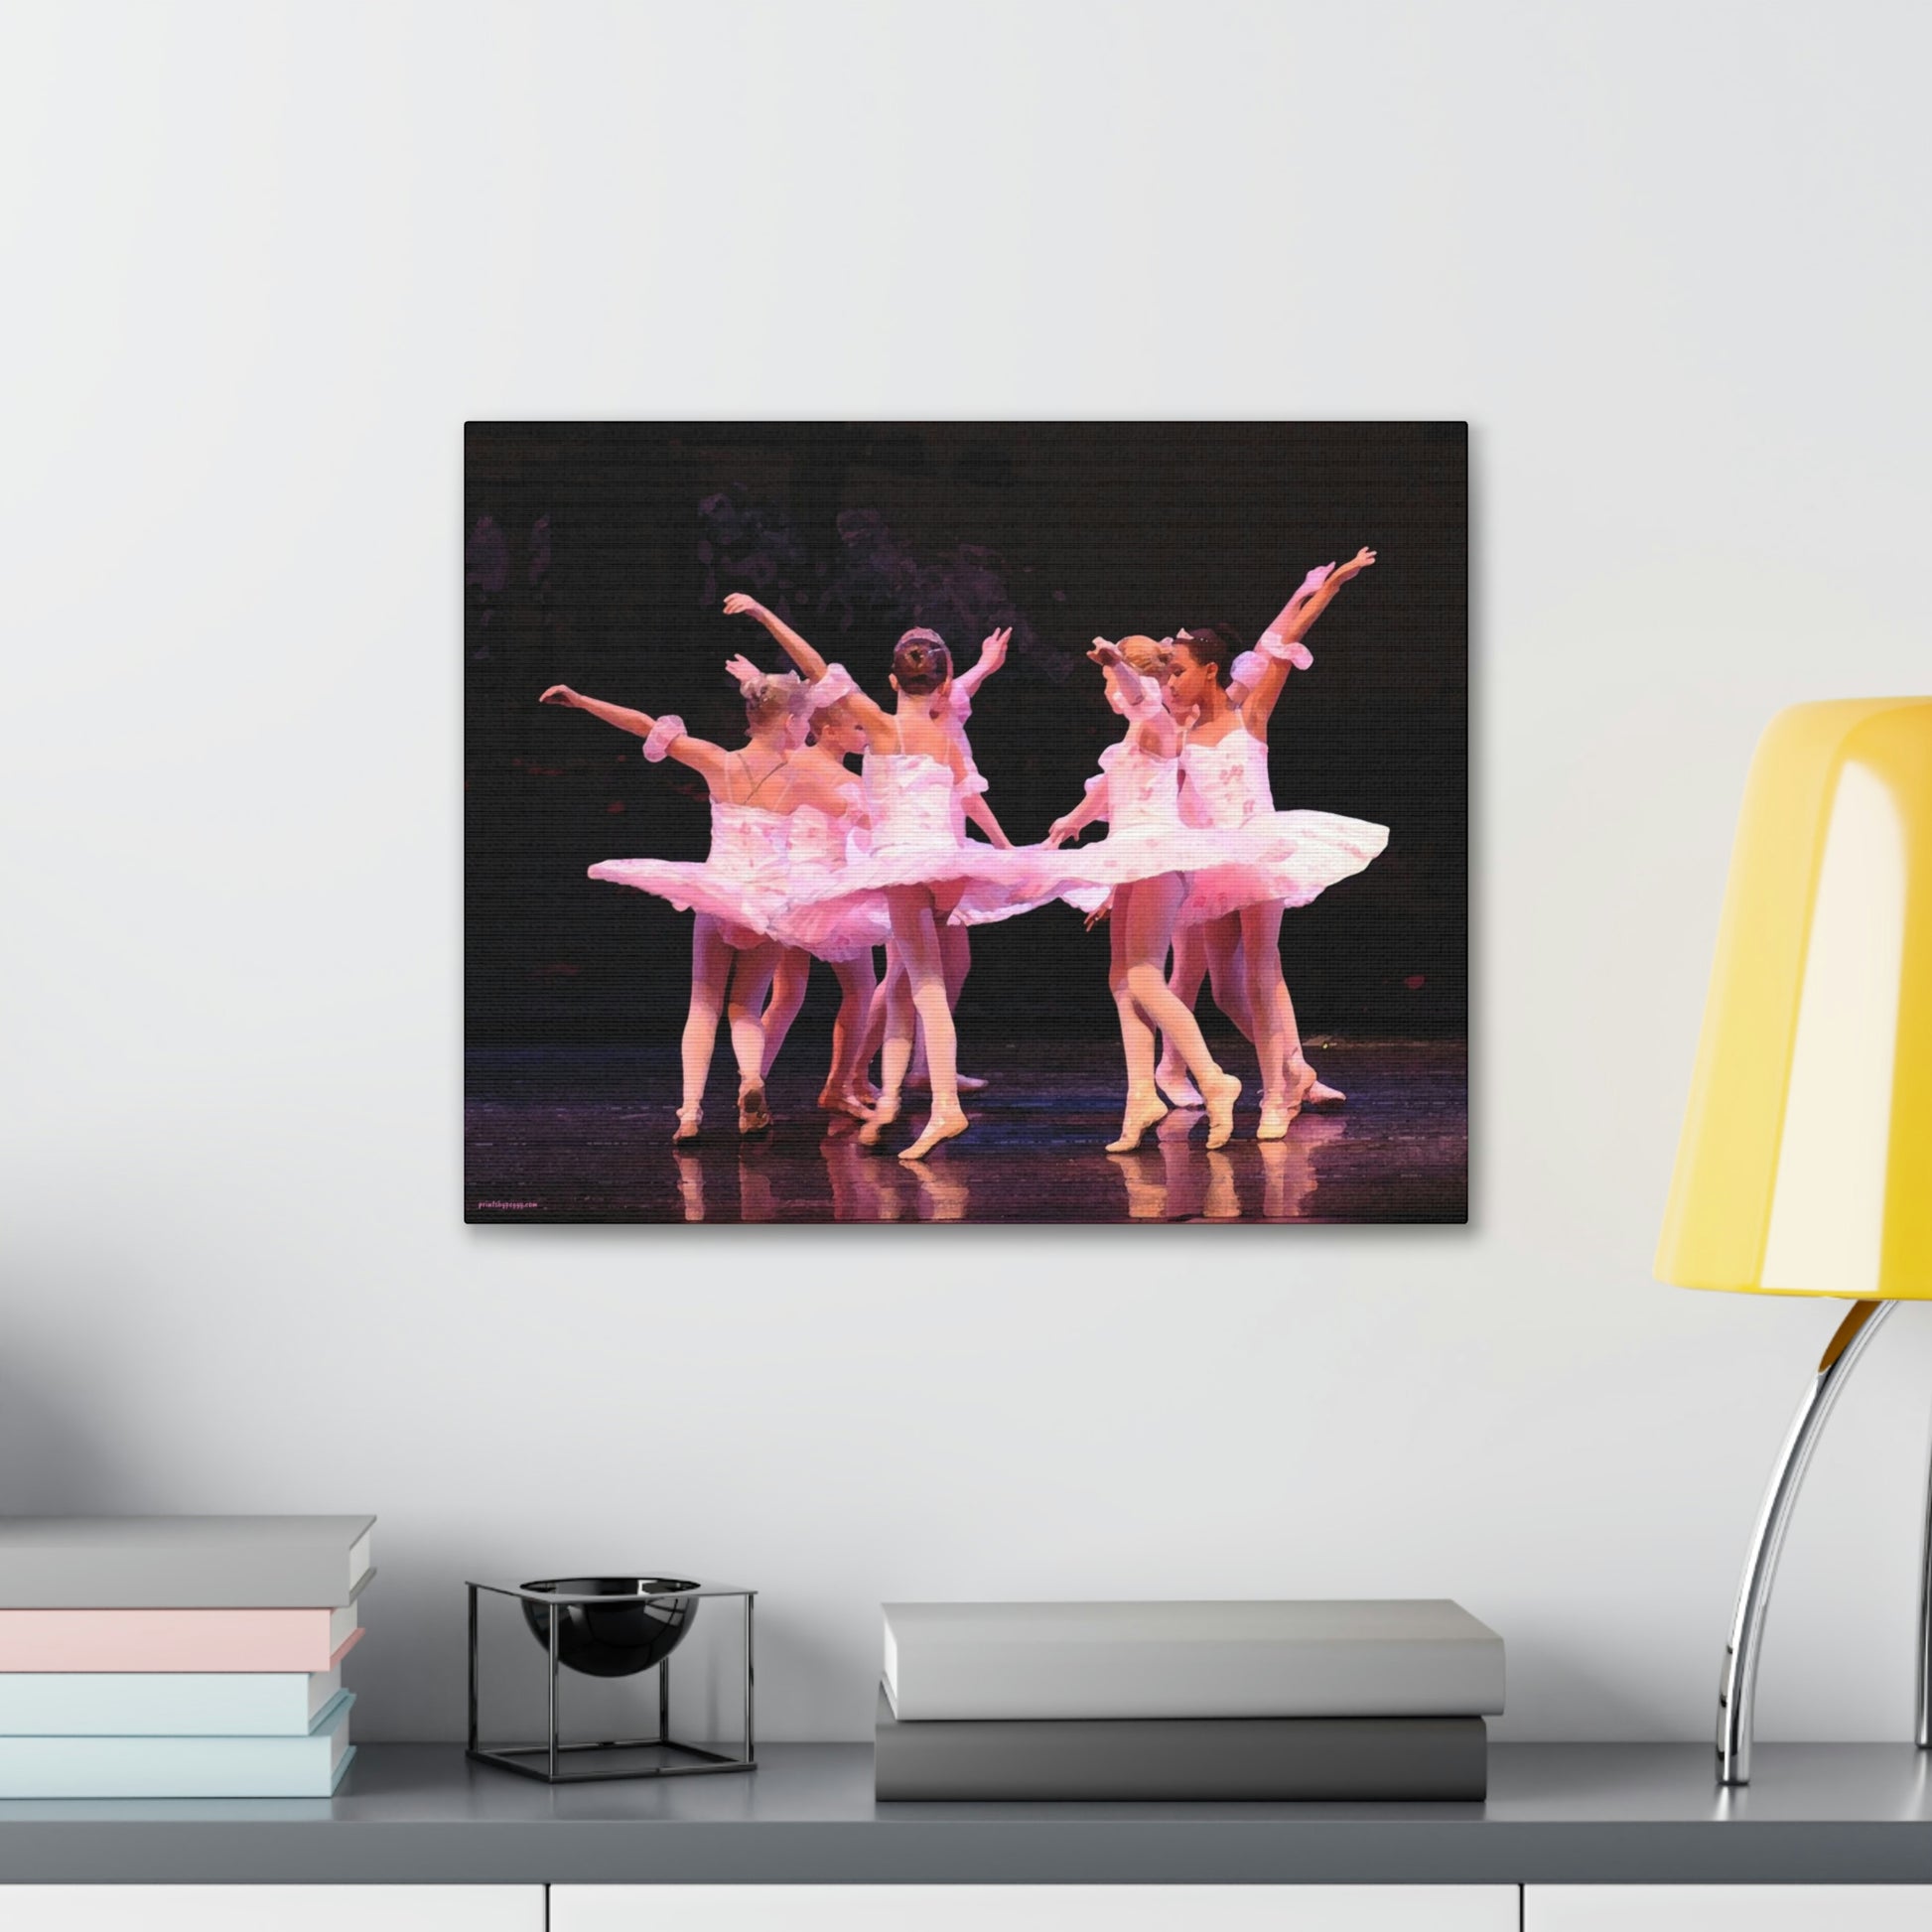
(196, 1563)
(1419, 1658)
(1238, 1759)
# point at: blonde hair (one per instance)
(771, 694)
(1147, 656)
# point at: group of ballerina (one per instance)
(808, 862)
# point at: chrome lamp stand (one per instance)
(1738, 1691)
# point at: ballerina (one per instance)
(921, 862)
(955, 940)
(1225, 763)
(1201, 952)
(819, 841)
(736, 889)
(1145, 858)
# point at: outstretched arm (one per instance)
(1315, 597)
(1082, 816)
(737, 605)
(621, 716)
(1281, 643)
(675, 742)
(981, 813)
(993, 653)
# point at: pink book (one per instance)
(177, 1640)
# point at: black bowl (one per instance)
(612, 1640)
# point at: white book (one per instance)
(189, 1562)
(1341, 1658)
(164, 1703)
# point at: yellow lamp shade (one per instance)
(1805, 1165)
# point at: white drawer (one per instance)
(1034, 1908)
(1726, 1908)
(271, 1908)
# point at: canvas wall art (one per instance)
(966, 822)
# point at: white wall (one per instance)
(262, 261)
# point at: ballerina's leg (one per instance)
(955, 961)
(1317, 1095)
(751, 972)
(881, 997)
(901, 1027)
(1152, 905)
(1144, 1103)
(1227, 968)
(711, 961)
(788, 985)
(847, 1072)
(914, 927)
(1285, 1076)
(1190, 969)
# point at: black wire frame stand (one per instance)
(555, 1762)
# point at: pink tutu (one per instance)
(1289, 855)
(918, 838)
(820, 852)
(1146, 837)
(741, 884)
(1267, 855)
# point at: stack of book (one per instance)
(177, 1656)
(1310, 1700)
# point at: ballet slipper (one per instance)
(689, 1120)
(832, 1101)
(1142, 1111)
(1221, 1096)
(1324, 1099)
(1277, 1112)
(1170, 1077)
(753, 1116)
(939, 1127)
(883, 1113)
(965, 1083)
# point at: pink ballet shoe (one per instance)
(1172, 1078)
(1221, 1096)
(832, 1101)
(1142, 1111)
(753, 1116)
(689, 1121)
(938, 1127)
(965, 1083)
(882, 1117)
(1324, 1099)
(1277, 1113)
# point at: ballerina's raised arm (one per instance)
(1281, 644)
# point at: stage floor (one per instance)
(571, 1133)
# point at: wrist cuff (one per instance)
(664, 734)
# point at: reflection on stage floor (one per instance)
(574, 1134)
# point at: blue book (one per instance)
(164, 1704)
(309, 1766)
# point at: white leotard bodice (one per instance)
(910, 800)
(1142, 789)
(747, 840)
(1228, 780)
(817, 838)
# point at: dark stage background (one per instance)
(598, 555)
